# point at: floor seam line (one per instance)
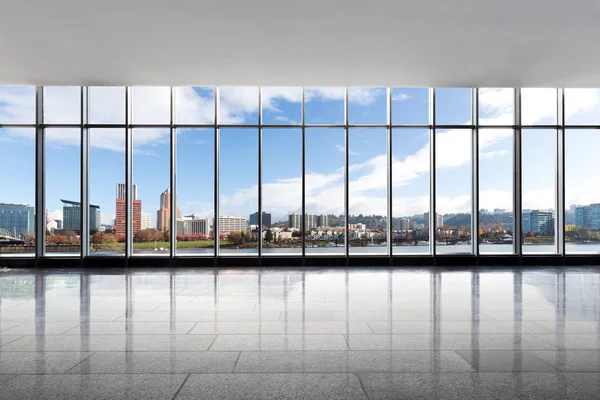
(181, 387)
(211, 343)
(236, 362)
(85, 358)
(9, 379)
(361, 385)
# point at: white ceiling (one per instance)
(301, 42)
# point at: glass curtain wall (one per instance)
(248, 171)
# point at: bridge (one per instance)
(7, 237)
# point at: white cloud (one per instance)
(493, 154)
(401, 97)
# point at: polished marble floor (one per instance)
(309, 334)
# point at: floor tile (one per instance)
(200, 362)
(39, 363)
(272, 386)
(278, 342)
(505, 361)
(7, 339)
(351, 361)
(572, 360)
(450, 327)
(4, 325)
(132, 328)
(472, 386)
(572, 341)
(92, 387)
(41, 327)
(111, 343)
(587, 383)
(5, 378)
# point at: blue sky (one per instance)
(282, 149)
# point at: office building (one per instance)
(402, 224)
(538, 222)
(146, 220)
(295, 221)
(120, 225)
(439, 220)
(122, 190)
(588, 216)
(323, 221)
(163, 215)
(191, 225)
(72, 217)
(229, 224)
(266, 219)
(18, 219)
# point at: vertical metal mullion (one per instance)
(346, 176)
(40, 175)
(560, 175)
(173, 176)
(390, 177)
(259, 219)
(517, 200)
(84, 181)
(432, 177)
(216, 228)
(128, 176)
(303, 180)
(475, 172)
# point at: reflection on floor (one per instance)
(247, 333)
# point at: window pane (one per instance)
(151, 105)
(62, 104)
(453, 106)
(324, 181)
(367, 221)
(63, 190)
(107, 105)
(496, 106)
(410, 106)
(194, 105)
(324, 105)
(17, 105)
(281, 106)
(151, 179)
(281, 190)
(582, 199)
(538, 106)
(238, 191)
(582, 106)
(410, 191)
(538, 148)
(496, 191)
(195, 191)
(367, 106)
(17, 219)
(238, 105)
(453, 191)
(107, 176)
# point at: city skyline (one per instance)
(281, 190)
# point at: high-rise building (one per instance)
(323, 221)
(72, 217)
(191, 225)
(120, 221)
(310, 221)
(122, 191)
(18, 219)
(538, 222)
(295, 221)
(146, 220)
(232, 224)
(588, 216)
(163, 215)
(266, 219)
(402, 224)
(439, 219)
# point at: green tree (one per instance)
(269, 236)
